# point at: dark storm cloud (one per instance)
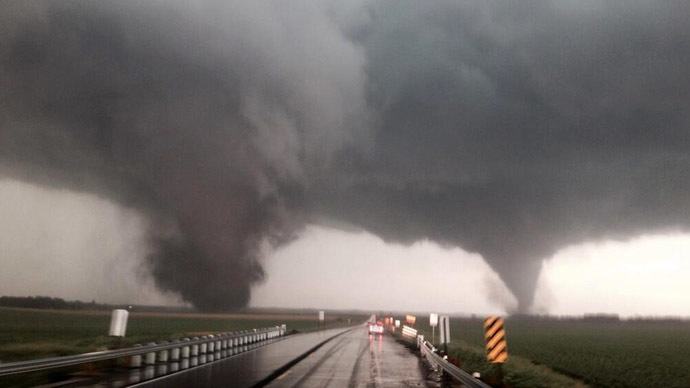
(511, 130)
(201, 116)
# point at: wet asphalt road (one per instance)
(356, 359)
(352, 359)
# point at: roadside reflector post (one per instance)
(496, 345)
(433, 322)
(322, 319)
(445, 332)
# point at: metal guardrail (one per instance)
(429, 351)
(178, 349)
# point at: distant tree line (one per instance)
(50, 303)
(46, 302)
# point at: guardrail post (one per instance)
(150, 358)
(211, 344)
(175, 352)
(195, 347)
(135, 361)
(185, 349)
(224, 345)
(163, 354)
(203, 346)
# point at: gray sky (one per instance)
(232, 129)
(77, 246)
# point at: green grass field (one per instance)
(30, 334)
(599, 354)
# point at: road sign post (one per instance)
(445, 332)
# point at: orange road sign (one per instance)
(495, 335)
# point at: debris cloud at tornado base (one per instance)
(508, 130)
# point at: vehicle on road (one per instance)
(375, 328)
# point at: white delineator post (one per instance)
(433, 322)
(118, 323)
(118, 326)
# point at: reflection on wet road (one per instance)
(245, 369)
(356, 359)
(351, 359)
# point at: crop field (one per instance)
(30, 334)
(637, 353)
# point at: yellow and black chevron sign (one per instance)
(495, 335)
